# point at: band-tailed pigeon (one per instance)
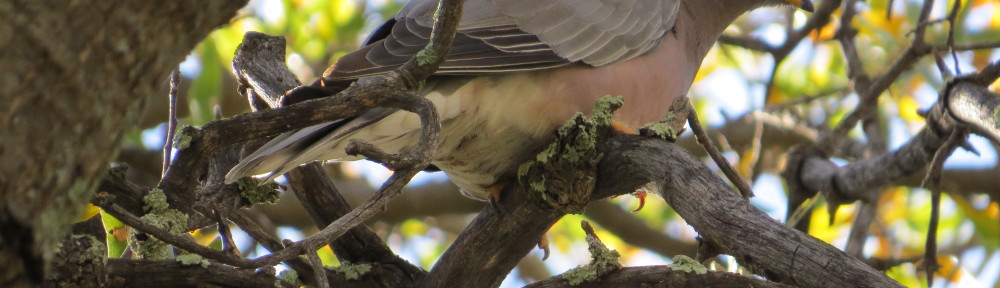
(516, 71)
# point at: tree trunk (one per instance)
(76, 77)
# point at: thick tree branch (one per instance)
(498, 238)
(77, 75)
(966, 105)
(172, 273)
(734, 226)
(661, 276)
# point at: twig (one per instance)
(933, 181)
(227, 236)
(987, 75)
(859, 229)
(414, 71)
(168, 143)
(747, 43)
(819, 19)
(952, 22)
(702, 137)
(269, 241)
(319, 270)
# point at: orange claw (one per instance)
(543, 244)
(641, 195)
(494, 192)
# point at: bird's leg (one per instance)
(543, 244)
(494, 191)
(641, 195)
(621, 128)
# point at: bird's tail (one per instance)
(276, 157)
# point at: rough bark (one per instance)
(77, 75)
(662, 276)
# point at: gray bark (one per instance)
(76, 75)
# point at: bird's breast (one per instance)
(492, 124)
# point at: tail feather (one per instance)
(291, 149)
(276, 153)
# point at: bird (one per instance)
(517, 70)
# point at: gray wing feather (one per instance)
(525, 34)
(596, 32)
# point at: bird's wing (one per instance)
(497, 36)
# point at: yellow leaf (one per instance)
(908, 109)
(344, 11)
(948, 268)
(88, 213)
(327, 257)
(413, 227)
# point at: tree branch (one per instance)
(662, 276)
(171, 273)
(965, 105)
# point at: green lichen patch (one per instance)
(155, 201)
(182, 140)
(353, 271)
(603, 261)
(289, 276)
(669, 128)
(604, 109)
(686, 264)
(161, 216)
(564, 171)
(190, 259)
(255, 192)
(427, 55)
(672, 124)
(662, 130)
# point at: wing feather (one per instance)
(524, 33)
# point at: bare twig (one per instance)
(820, 18)
(321, 280)
(933, 181)
(741, 185)
(270, 242)
(168, 142)
(952, 22)
(227, 236)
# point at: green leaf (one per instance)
(117, 235)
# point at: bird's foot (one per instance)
(493, 193)
(621, 128)
(641, 195)
(543, 243)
